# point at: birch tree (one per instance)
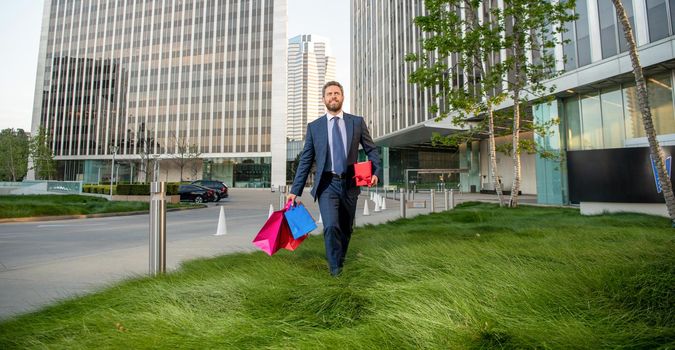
(467, 41)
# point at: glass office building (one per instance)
(146, 79)
(595, 100)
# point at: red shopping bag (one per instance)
(276, 234)
(363, 171)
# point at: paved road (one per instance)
(44, 261)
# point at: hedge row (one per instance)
(129, 190)
(100, 189)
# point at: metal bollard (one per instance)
(157, 236)
(446, 199)
(402, 203)
(281, 200)
(432, 201)
(452, 199)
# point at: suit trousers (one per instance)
(337, 212)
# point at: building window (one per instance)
(608, 33)
(577, 50)
(628, 6)
(634, 128)
(591, 122)
(573, 123)
(612, 118)
(657, 16)
(583, 37)
(660, 89)
(606, 119)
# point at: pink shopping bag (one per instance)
(276, 234)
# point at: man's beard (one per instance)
(337, 106)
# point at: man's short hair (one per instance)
(332, 83)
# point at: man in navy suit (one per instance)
(332, 141)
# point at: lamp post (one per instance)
(112, 169)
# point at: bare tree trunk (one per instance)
(654, 149)
(482, 68)
(517, 51)
(493, 156)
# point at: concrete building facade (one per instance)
(159, 79)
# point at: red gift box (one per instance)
(363, 172)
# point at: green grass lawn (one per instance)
(476, 277)
(18, 206)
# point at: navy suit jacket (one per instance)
(317, 150)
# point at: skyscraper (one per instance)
(144, 78)
(310, 66)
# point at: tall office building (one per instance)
(142, 79)
(600, 136)
(310, 66)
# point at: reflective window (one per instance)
(612, 118)
(634, 127)
(628, 6)
(573, 123)
(608, 31)
(583, 38)
(591, 117)
(660, 91)
(657, 16)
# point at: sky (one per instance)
(20, 26)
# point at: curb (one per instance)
(85, 216)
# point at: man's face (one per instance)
(333, 98)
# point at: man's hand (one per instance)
(373, 180)
(292, 197)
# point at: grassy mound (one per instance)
(475, 277)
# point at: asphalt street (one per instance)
(41, 262)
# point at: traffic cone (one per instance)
(366, 212)
(371, 195)
(384, 203)
(222, 226)
(377, 204)
(320, 221)
(271, 211)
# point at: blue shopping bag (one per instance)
(299, 220)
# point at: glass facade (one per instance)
(611, 117)
(145, 76)
(383, 32)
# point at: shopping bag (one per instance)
(363, 171)
(286, 240)
(299, 220)
(275, 234)
(268, 238)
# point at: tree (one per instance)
(43, 160)
(145, 143)
(476, 40)
(535, 26)
(186, 153)
(459, 32)
(15, 145)
(655, 150)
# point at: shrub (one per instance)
(172, 188)
(133, 189)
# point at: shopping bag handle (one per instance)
(288, 204)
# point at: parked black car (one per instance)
(196, 193)
(219, 187)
